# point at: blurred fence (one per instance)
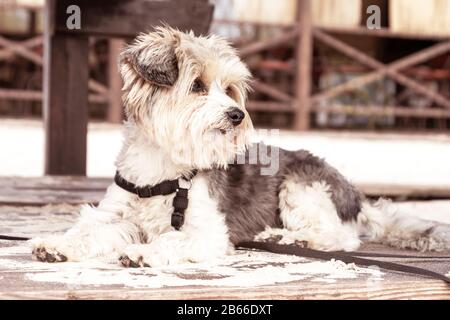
(21, 62)
(348, 83)
(359, 78)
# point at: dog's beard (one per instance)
(211, 148)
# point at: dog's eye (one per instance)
(198, 86)
(232, 92)
(229, 91)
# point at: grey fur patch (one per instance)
(163, 74)
(250, 200)
(308, 168)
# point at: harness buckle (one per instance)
(183, 183)
(177, 220)
(144, 192)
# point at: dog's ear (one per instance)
(153, 58)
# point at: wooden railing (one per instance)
(303, 35)
(299, 99)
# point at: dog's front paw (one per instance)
(48, 255)
(142, 255)
(47, 250)
(138, 262)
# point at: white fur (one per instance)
(308, 214)
(382, 222)
(125, 224)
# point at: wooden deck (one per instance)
(79, 189)
(39, 206)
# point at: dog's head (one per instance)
(188, 95)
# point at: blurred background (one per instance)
(363, 83)
(261, 29)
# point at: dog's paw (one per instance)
(142, 255)
(279, 239)
(126, 261)
(46, 250)
(281, 236)
(48, 255)
(271, 235)
(441, 235)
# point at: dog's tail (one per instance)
(383, 222)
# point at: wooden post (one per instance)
(304, 66)
(115, 109)
(65, 100)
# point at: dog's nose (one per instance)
(235, 115)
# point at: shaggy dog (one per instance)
(185, 104)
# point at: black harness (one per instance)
(180, 186)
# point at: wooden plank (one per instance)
(41, 197)
(35, 280)
(304, 56)
(271, 64)
(271, 91)
(34, 95)
(17, 94)
(115, 109)
(357, 31)
(52, 190)
(97, 87)
(75, 190)
(420, 88)
(253, 105)
(21, 50)
(383, 111)
(56, 182)
(383, 32)
(421, 72)
(382, 70)
(243, 23)
(262, 45)
(65, 103)
(6, 53)
(73, 183)
(13, 4)
(406, 191)
(306, 290)
(127, 18)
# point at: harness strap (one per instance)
(161, 189)
(390, 255)
(12, 238)
(180, 201)
(345, 257)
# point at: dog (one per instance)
(184, 98)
